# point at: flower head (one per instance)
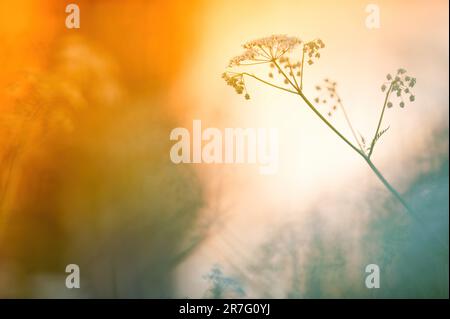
(265, 49)
(398, 87)
(282, 42)
(248, 55)
(284, 72)
(236, 80)
(328, 96)
(311, 50)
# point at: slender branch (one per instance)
(293, 75)
(301, 74)
(268, 83)
(281, 54)
(330, 125)
(285, 76)
(254, 63)
(366, 158)
(349, 122)
(372, 145)
(311, 106)
(269, 56)
(342, 137)
(416, 217)
(388, 186)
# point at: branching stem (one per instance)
(372, 145)
(391, 189)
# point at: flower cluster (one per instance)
(266, 49)
(236, 80)
(280, 42)
(276, 51)
(290, 68)
(311, 49)
(400, 84)
(248, 55)
(327, 95)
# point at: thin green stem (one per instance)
(254, 63)
(285, 76)
(360, 152)
(349, 122)
(301, 71)
(388, 186)
(342, 137)
(311, 106)
(279, 55)
(372, 145)
(330, 125)
(269, 56)
(293, 75)
(268, 83)
(366, 158)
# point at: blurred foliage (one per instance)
(222, 286)
(85, 175)
(411, 251)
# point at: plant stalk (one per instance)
(372, 145)
(393, 191)
(366, 158)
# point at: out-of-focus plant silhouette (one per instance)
(313, 262)
(221, 285)
(84, 176)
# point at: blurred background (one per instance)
(86, 177)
